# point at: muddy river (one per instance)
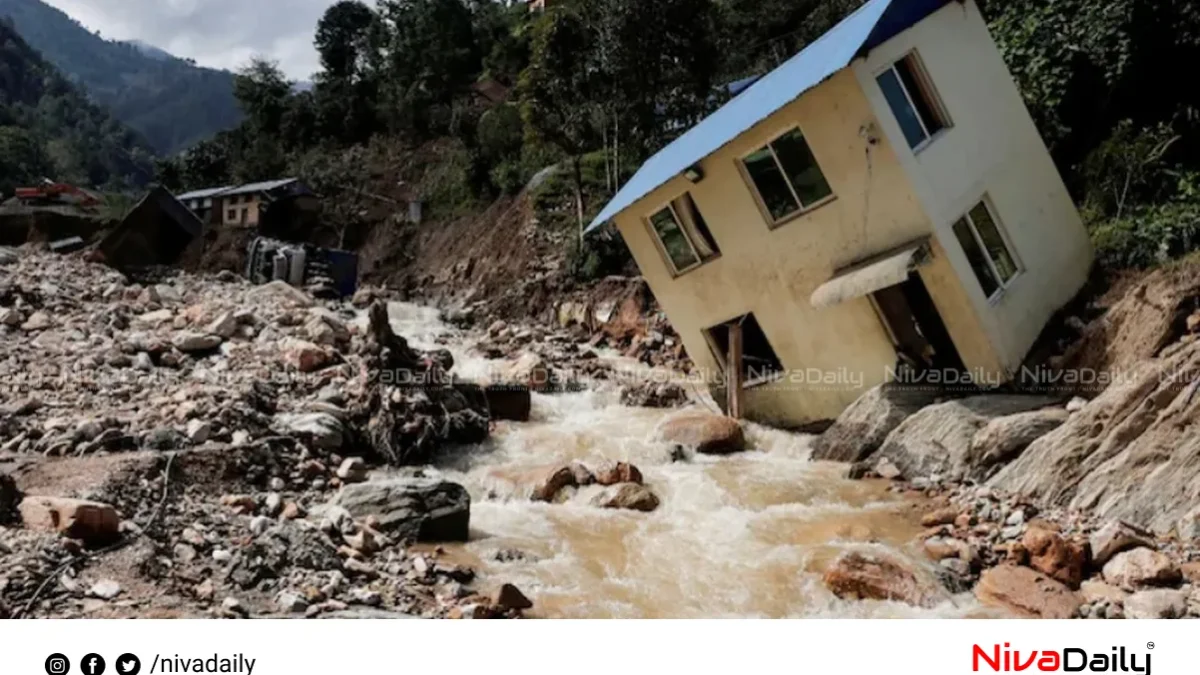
(740, 536)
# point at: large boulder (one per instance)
(93, 523)
(862, 427)
(612, 473)
(420, 509)
(323, 430)
(629, 496)
(868, 576)
(1005, 438)
(1159, 603)
(530, 371)
(937, 440)
(1027, 593)
(1061, 559)
(1141, 567)
(1116, 537)
(1132, 453)
(707, 433)
(554, 481)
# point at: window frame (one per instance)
(929, 92)
(669, 205)
(803, 209)
(722, 357)
(1002, 286)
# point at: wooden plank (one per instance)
(733, 371)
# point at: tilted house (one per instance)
(881, 197)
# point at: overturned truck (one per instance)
(333, 271)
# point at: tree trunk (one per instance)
(579, 205)
(616, 154)
(608, 168)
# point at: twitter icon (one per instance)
(128, 664)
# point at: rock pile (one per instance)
(96, 363)
(1058, 563)
(623, 485)
(198, 446)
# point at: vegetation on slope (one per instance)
(48, 128)
(597, 86)
(171, 102)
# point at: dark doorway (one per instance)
(917, 330)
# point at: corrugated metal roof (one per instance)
(202, 194)
(264, 186)
(248, 188)
(870, 25)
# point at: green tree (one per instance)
(659, 59)
(207, 164)
(262, 92)
(562, 89)
(23, 159)
(432, 58)
(347, 40)
(502, 38)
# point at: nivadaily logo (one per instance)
(999, 659)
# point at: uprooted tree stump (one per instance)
(413, 405)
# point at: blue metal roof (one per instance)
(869, 26)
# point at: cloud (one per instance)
(216, 33)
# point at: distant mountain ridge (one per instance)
(50, 129)
(150, 50)
(171, 102)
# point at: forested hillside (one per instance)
(173, 103)
(603, 84)
(48, 128)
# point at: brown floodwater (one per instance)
(746, 535)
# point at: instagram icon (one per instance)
(57, 664)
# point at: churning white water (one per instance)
(740, 536)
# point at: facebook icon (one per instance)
(92, 664)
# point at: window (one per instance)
(786, 176)
(987, 249)
(231, 215)
(683, 236)
(759, 362)
(910, 95)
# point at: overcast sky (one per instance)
(216, 33)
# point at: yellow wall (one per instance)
(993, 148)
(245, 211)
(773, 272)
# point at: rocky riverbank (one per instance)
(192, 445)
(1063, 501)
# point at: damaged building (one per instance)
(882, 197)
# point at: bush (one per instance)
(1150, 235)
(602, 253)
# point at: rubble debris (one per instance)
(161, 440)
